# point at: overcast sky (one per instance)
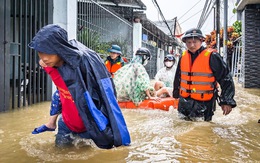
(173, 8)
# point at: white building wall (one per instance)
(160, 58)
(65, 15)
(137, 36)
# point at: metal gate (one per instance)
(99, 27)
(22, 81)
(237, 68)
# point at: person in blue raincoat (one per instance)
(87, 84)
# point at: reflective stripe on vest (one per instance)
(113, 68)
(197, 80)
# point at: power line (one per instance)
(164, 20)
(191, 16)
(205, 15)
(157, 10)
(188, 10)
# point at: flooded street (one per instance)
(157, 136)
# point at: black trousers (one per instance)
(192, 109)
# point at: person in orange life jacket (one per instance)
(198, 72)
(114, 61)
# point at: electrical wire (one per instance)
(188, 10)
(162, 16)
(203, 13)
(204, 16)
(191, 16)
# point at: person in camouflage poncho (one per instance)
(132, 82)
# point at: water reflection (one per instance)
(157, 136)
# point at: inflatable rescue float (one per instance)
(163, 104)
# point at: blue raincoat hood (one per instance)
(52, 39)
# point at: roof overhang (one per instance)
(242, 3)
(135, 4)
(156, 32)
(164, 37)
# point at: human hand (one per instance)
(42, 63)
(226, 109)
(155, 98)
(137, 104)
(176, 101)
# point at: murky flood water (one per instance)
(157, 136)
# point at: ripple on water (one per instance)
(156, 150)
(153, 135)
(160, 136)
(42, 147)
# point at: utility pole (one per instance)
(217, 24)
(174, 29)
(214, 18)
(225, 39)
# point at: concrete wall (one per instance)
(251, 46)
(65, 15)
(137, 36)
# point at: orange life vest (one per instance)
(197, 80)
(113, 68)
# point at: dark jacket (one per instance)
(222, 75)
(53, 40)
